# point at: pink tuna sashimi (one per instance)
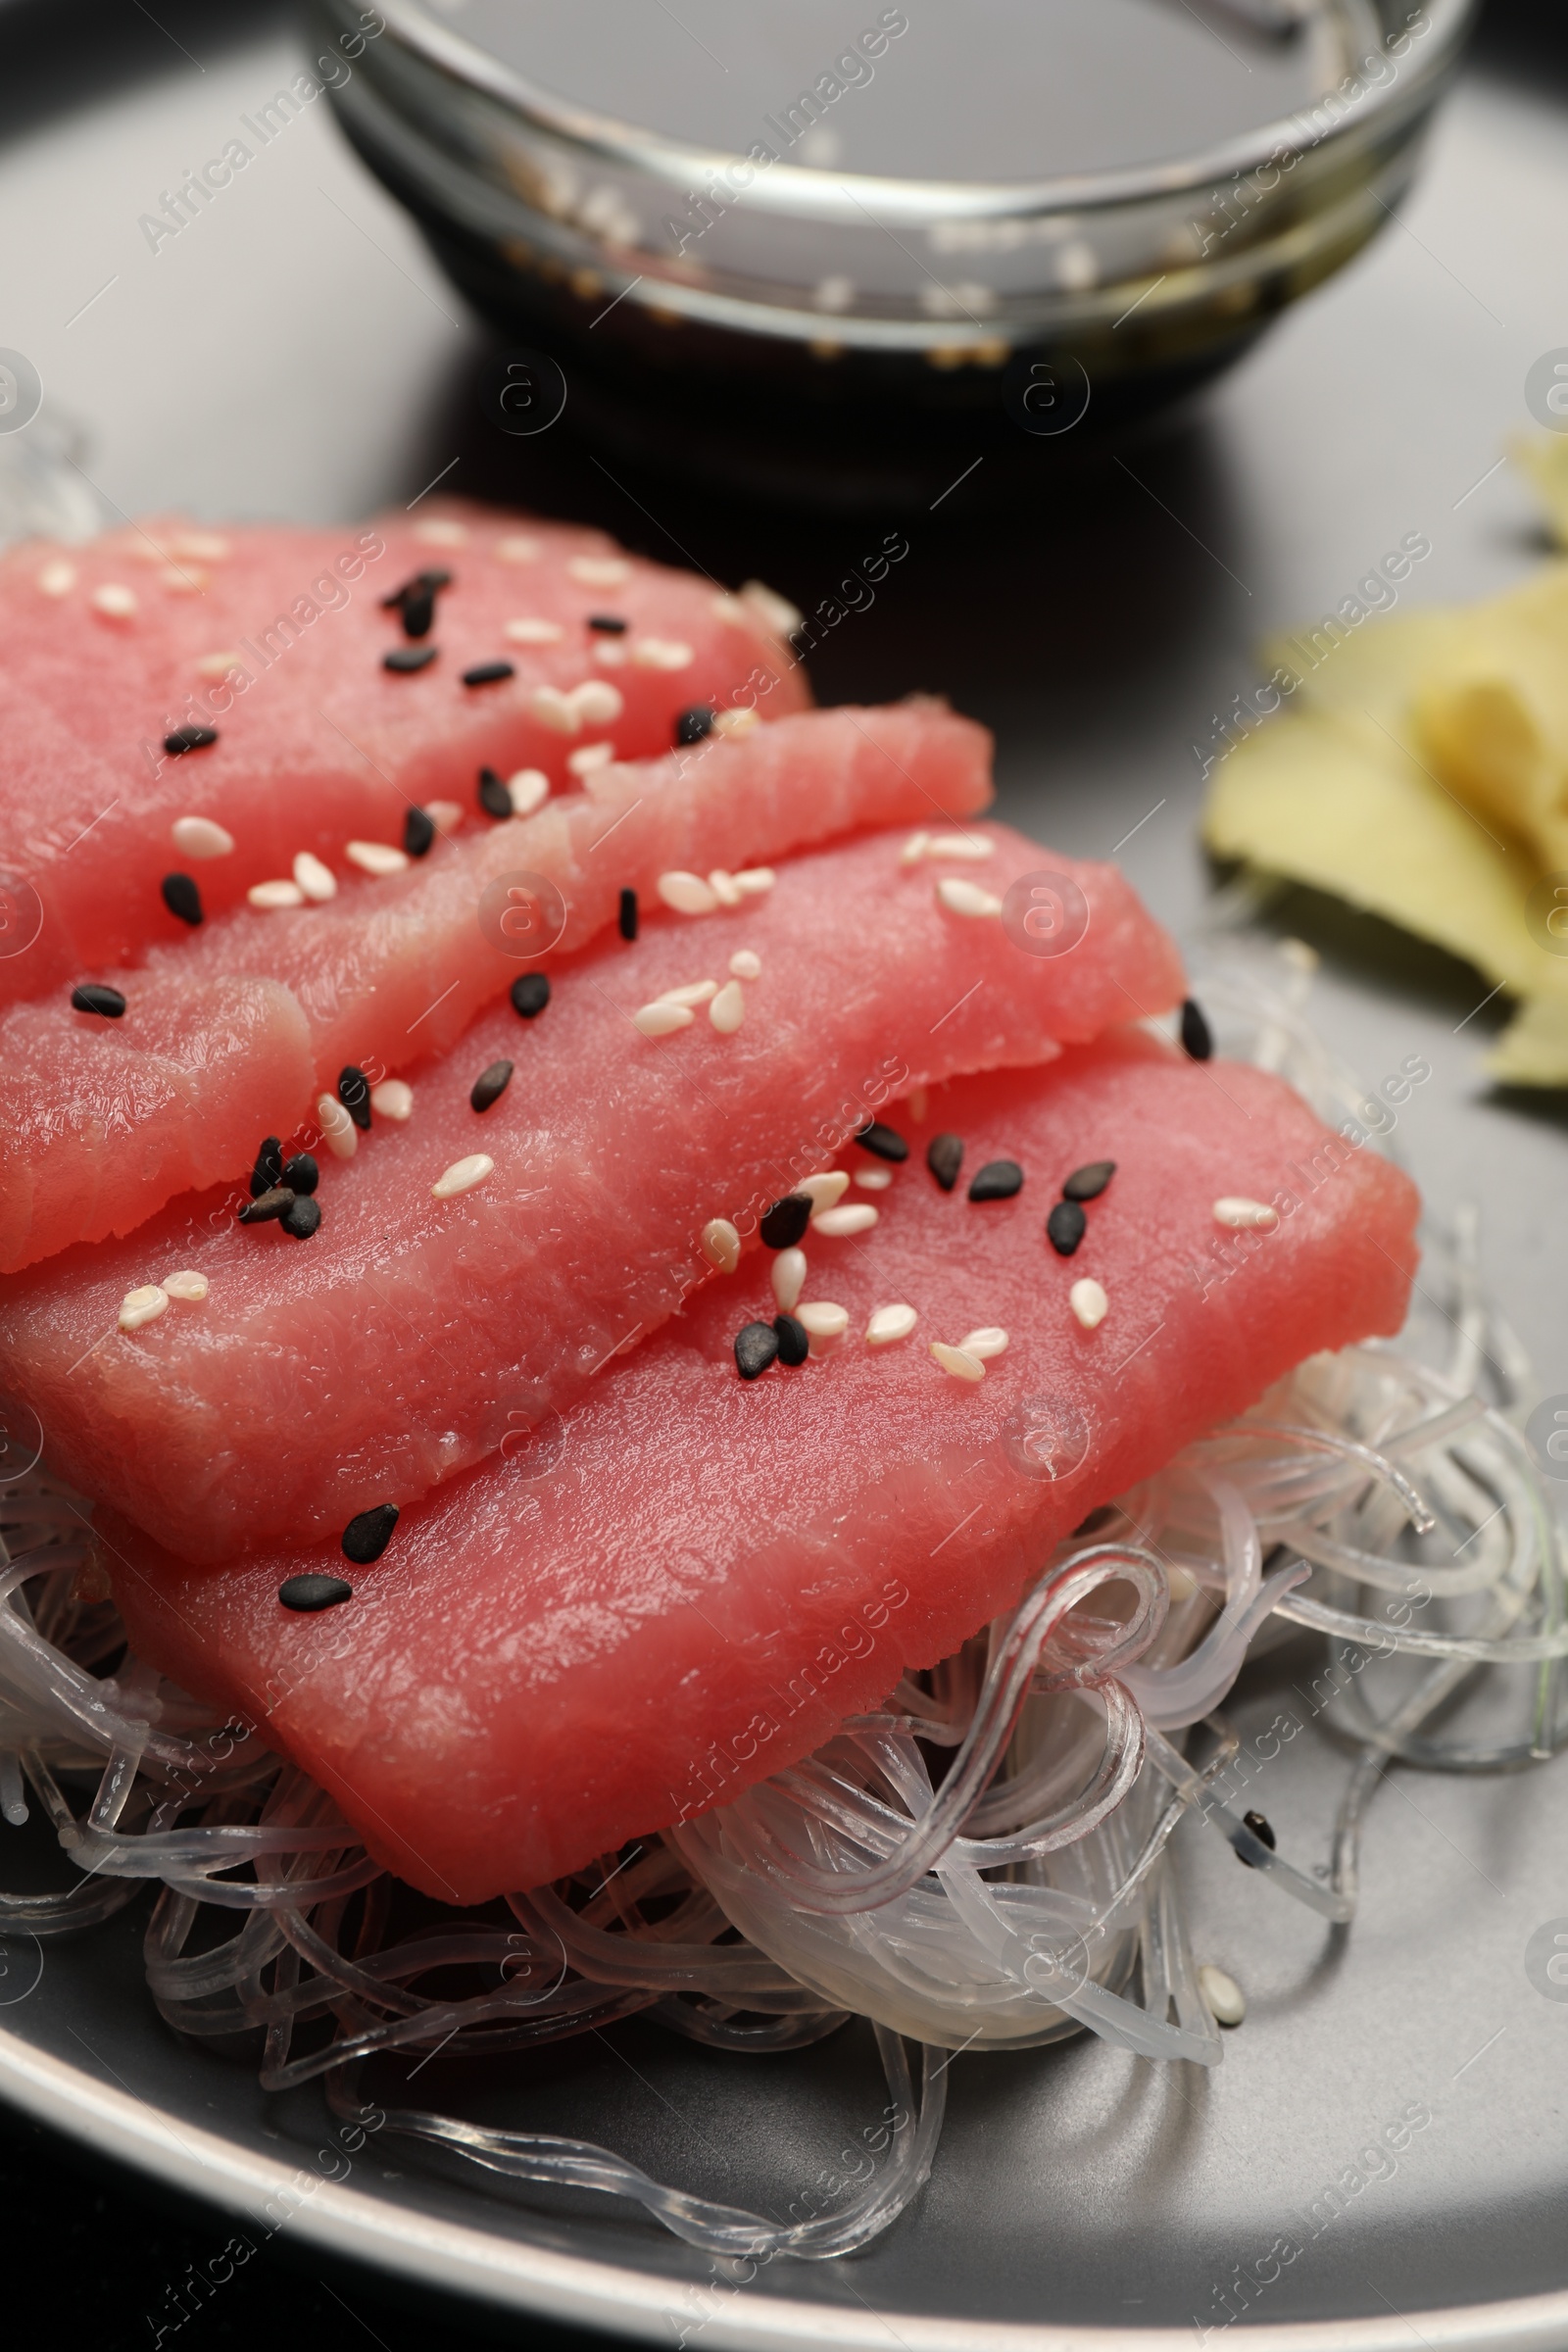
(412, 1335)
(394, 968)
(687, 1583)
(318, 744)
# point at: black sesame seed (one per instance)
(629, 915)
(404, 658)
(418, 832)
(94, 997)
(1065, 1227)
(531, 994)
(490, 1084)
(276, 1202)
(189, 739)
(301, 1174)
(944, 1157)
(301, 1218)
(693, 724)
(1262, 1830)
(1088, 1183)
(494, 798)
(1198, 1040)
(309, 1592)
(488, 673)
(757, 1346)
(183, 897)
(269, 1168)
(786, 1221)
(367, 1534)
(793, 1344)
(423, 583)
(353, 1093)
(997, 1180)
(885, 1143)
(609, 624)
(419, 611)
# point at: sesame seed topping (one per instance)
(755, 1348)
(1087, 1184)
(341, 1134)
(114, 602)
(490, 1084)
(966, 898)
(316, 880)
(693, 724)
(270, 896)
(957, 1361)
(417, 607)
(269, 1168)
(439, 530)
(57, 578)
(735, 722)
(533, 632)
(94, 995)
(731, 610)
(301, 1174)
(725, 888)
(973, 846)
(199, 837)
(989, 1341)
(914, 849)
(890, 1323)
(686, 894)
(445, 815)
(1198, 1039)
(793, 1340)
(353, 1093)
(489, 673)
(183, 897)
(219, 665)
(267, 1207)
(301, 1219)
(837, 1224)
(369, 1533)
(1263, 1829)
(789, 1277)
(527, 789)
(307, 1594)
(1088, 1302)
(517, 548)
(190, 1287)
(600, 571)
(392, 1100)
(728, 1008)
(418, 832)
(1222, 1995)
(1065, 1227)
(376, 857)
(754, 880)
(531, 994)
(918, 1105)
(776, 611)
(722, 1245)
(609, 624)
(997, 1180)
(626, 915)
(826, 1189)
(463, 1175)
(746, 964)
(662, 1021)
(785, 1223)
(591, 758)
(609, 653)
(823, 1323)
(404, 660)
(696, 991)
(143, 1305)
(180, 740)
(885, 1142)
(597, 703)
(494, 798)
(873, 1179)
(944, 1157)
(1246, 1217)
(555, 709)
(661, 652)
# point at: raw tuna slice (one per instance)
(411, 1334)
(276, 639)
(393, 968)
(686, 1582)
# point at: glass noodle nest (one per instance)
(984, 1861)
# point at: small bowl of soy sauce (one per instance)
(835, 257)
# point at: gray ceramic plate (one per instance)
(294, 352)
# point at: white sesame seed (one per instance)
(722, 885)
(190, 1287)
(873, 1179)
(730, 610)
(1183, 1584)
(957, 1361)
(989, 1341)
(662, 1021)
(600, 571)
(661, 652)
(1246, 1217)
(1296, 951)
(555, 709)
(57, 578)
(392, 1100)
(1088, 1302)
(219, 665)
(970, 846)
(914, 849)
(200, 837)
(275, 894)
(338, 1131)
(918, 1107)
(527, 789)
(966, 898)
(746, 964)
(376, 857)
(182, 579)
(462, 1176)
(687, 894)
(439, 531)
(753, 880)
(609, 654)
(115, 602)
(821, 1320)
(777, 611)
(316, 880)
(206, 545)
(837, 1224)
(728, 1008)
(592, 755)
(144, 1306)
(722, 1245)
(890, 1323)
(1226, 2001)
(446, 816)
(517, 548)
(695, 992)
(597, 703)
(736, 722)
(533, 632)
(789, 1278)
(824, 1190)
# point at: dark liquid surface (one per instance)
(968, 90)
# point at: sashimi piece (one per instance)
(393, 968)
(691, 1578)
(276, 637)
(414, 1334)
